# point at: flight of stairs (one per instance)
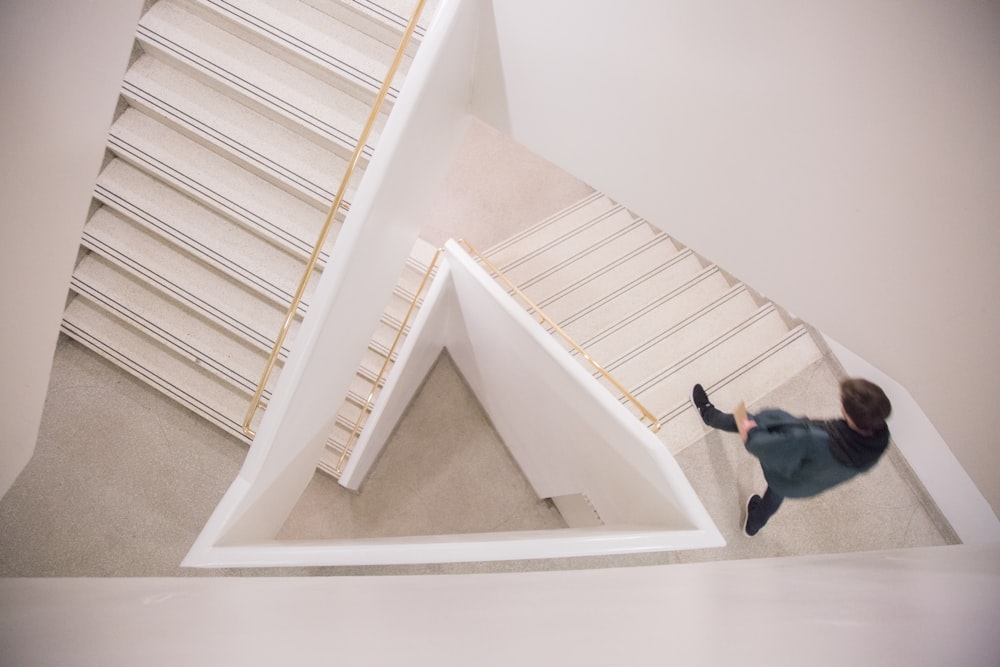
(652, 313)
(235, 124)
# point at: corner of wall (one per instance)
(954, 492)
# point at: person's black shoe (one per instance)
(752, 503)
(699, 398)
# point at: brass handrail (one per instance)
(349, 445)
(646, 414)
(328, 223)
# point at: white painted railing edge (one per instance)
(472, 547)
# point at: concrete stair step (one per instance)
(313, 107)
(608, 310)
(241, 135)
(614, 233)
(311, 40)
(384, 20)
(574, 234)
(198, 390)
(681, 334)
(571, 296)
(639, 315)
(667, 386)
(283, 218)
(170, 324)
(208, 292)
(550, 232)
(749, 382)
(215, 240)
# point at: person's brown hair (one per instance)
(865, 403)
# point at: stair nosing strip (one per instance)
(184, 182)
(194, 247)
(537, 251)
(234, 80)
(607, 268)
(368, 81)
(164, 336)
(229, 144)
(552, 219)
(791, 337)
(583, 253)
(653, 380)
(182, 295)
(661, 336)
(157, 381)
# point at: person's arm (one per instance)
(743, 421)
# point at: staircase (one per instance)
(235, 124)
(656, 316)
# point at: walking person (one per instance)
(803, 457)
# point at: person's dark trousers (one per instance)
(769, 503)
(716, 418)
(759, 513)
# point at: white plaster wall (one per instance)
(842, 158)
(933, 606)
(61, 65)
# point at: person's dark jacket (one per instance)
(802, 458)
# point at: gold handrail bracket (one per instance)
(328, 223)
(646, 414)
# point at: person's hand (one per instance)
(745, 427)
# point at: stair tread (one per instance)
(245, 137)
(384, 20)
(598, 229)
(208, 292)
(731, 349)
(217, 241)
(173, 326)
(208, 396)
(549, 231)
(750, 383)
(219, 184)
(630, 359)
(590, 260)
(310, 39)
(253, 76)
(610, 309)
(561, 299)
(639, 314)
(585, 244)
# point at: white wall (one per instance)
(567, 433)
(841, 157)
(934, 606)
(61, 66)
